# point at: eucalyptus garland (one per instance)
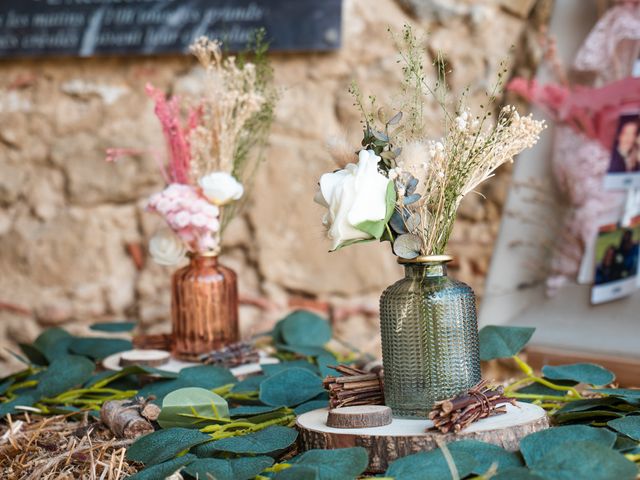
(213, 424)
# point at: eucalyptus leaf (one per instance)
(412, 222)
(279, 367)
(336, 464)
(485, 455)
(228, 469)
(305, 328)
(311, 405)
(290, 387)
(502, 342)
(251, 410)
(53, 343)
(626, 394)
(35, 356)
(629, 426)
(207, 376)
(179, 406)
(163, 470)
(588, 404)
(536, 445)
(395, 119)
(249, 384)
(163, 445)
(397, 223)
(414, 467)
(25, 399)
(64, 373)
(409, 199)
(113, 326)
(381, 136)
(583, 459)
(269, 440)
(580, 372)
(517, 473)
(301, 350)
(539, 389)
(324, 361)
(407, 246)
(411, 185)
(98, 348)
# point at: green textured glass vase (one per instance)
(430, 348)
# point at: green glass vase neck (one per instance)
(428, 269)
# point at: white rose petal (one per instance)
(221, 188)
(167, 249)
(353, 195)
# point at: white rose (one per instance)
(166, 248)
(221, 188)
(360, 201)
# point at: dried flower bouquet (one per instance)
(406, 188)
(214, 145)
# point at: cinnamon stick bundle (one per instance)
(457, 413)
(354, 387)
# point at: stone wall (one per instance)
(72, 227)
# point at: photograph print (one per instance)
(616, 259)
(624, 163)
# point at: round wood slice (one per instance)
(359, 416)
(148, 358)
(406, 436)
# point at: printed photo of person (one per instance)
(624, 163)
(616, 271)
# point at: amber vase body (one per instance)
(204, 307)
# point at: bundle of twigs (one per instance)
(233, 355)
(457, 413)
(354, 387)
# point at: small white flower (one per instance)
(166, 248)
(182, 219)
(221, 188)
(199, 220)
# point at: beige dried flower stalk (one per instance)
(232, 97)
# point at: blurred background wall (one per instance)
(73, 230)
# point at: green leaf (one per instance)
(407, 246)
(395, 119)
(163, 445)
(579, 372)
(53, 343)
(377, 228)
(589, 416)
(539, 389)
(113, 326)
(231, 469)
(290, 387)
(305, 328)
(98, 348)
(535, 446)
(583, 459)
(268, 440)
(626, 394)
(301, 349)
(179, 404)
(244, 411)
(324, 361)
(279, 367)
(502, 342)
(34, 355)
(629, 426)
(207, 376)
(25, 399)
(336, 464)
(249, 384)
(516, 473)
(485, 455)
(64, 373)
(414, 467)
(589, 404)
(310, 405)
(163, 470)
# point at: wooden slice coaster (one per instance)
(360, 416)
(406, 436)
(148, 358)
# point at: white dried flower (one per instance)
(166, 248)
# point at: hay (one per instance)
(60, 448)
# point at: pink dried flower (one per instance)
(189, 214)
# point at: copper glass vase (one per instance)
(430, 348)
(204, 307)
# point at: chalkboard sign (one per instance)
(96, 27)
